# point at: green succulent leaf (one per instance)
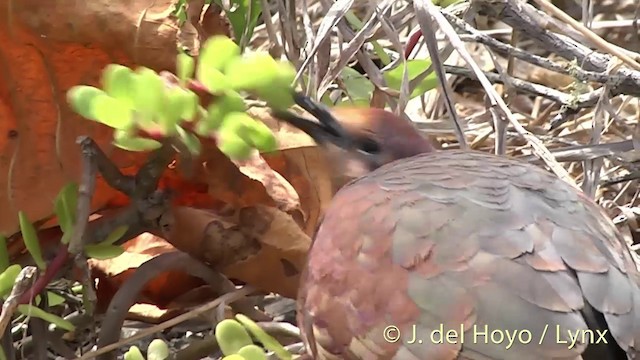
(157, 350)
(252, 352)
(233, 357)
(234, 146)
(149, 97)
(115, 235)
(179, 103)
(34, 311)
(267, 340)
(260, 73)
(254, 133)
(94, 104)
(255, 71)
(65, 209)
(8, 278)
(230, 102)
(81, 99)
(214, 80)
(217, 52)
(112, 112)
(117, 82)
(30, 237)
(133, 354)
(185, 66)
(278, 98)
(4, 254)
(126, 141)
(190, 105)
(231, 336)
(102, 251)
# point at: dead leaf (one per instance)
(259, 245)
(278, 188)
(159, 292)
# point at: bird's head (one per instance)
(358, 140)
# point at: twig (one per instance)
(495, 100)
(594, 38)
(23, 281)
(227, 298)
(574, 102)
(525, 18)
(141, 215)
(425, 10)
(127, 294)
(508, 50)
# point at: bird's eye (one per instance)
(368, 146)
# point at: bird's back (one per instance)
(485, 246)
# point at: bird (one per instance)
(429, 254)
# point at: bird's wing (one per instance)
(484, 246)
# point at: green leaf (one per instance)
(8, 278)
(191, 102)
(231, 336)
(31, 241)
(233, 357)
(149, 94)
(30, 310)
(262, 74)
(117, 82)
(54, 299)
(393, 77)
(65, 209)
(216, 53)
(157, 350)
(255, 71)
(231, 101)
(214, 80)
(241, 19)
(133, 354)
(185, 65)
(115, 235)
(252, 352)
(233, 145)
(267, 340)
(129, 142)
(445, 3)
(180, 104)
(359, 87)
(112, 112)
(278, 97)
(103, 252)
(4, 254)
(81, 99)
(254, 133)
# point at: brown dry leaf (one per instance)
(276, 186)
(164, 290)
(259, 245)
(46, 48)
(303, 164)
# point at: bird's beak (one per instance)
(327, 130)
